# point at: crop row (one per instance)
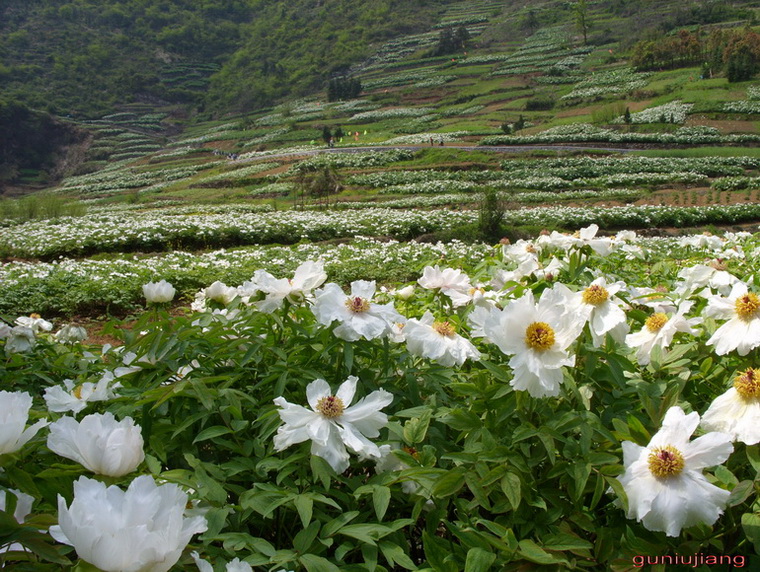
(162, 230)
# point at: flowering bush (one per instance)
(504, 432)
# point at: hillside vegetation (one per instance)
(229, 54)
(454, 73)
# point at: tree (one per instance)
(340, 88)
(582, 18)
(326, 134)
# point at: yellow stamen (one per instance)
(77, 392)
(539, 336)
(666, 462)
(444, 328)
(595, 295)
(357, 305)
(655, 322)
(35, 315)
(747, 306)
(330, 406)
(747, 384)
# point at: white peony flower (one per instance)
(331, 424)
(444, 280)
(23, 504)
(538, 337)
(99, 443)
(742, 330)
(220, 292)
(603, 310)
(14, 413)
(737, 411)
(307, 277)
(35, 322)
(142, 529)
(406, 292)
(158, 292)
(659, 330)
(71, 333)
(438, 340)
(602, 245)
(358, 316)
(20, 340)
(701, 276)
(664, 482)
(75, 398)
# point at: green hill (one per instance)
(164, 85)
(83, 57)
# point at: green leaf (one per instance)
(416, 428)
(564, 541)
(211, 432)
(394, 554)
(751, 526)
(753, 456)
(304, 505)
(580, 473)
(336, 524)
(510, 485)
(305, 538)
(741, 492)
(637, 430)
(322, 470)
(314, 563)
(462, 420)
(534, 553)
(449, 483)
(617, 487)
(438, 553)
(369, 554)
(381, 498)
(478, 560)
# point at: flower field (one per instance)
(574, 401)
(275, 339)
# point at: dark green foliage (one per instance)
(452, 41)
(30, 142)
(340, 88)
(542, 103)
(491, 215)
(735, 52)
(81, 57)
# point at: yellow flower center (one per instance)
(539, 336)
(77, 392)
(747, 306)
(357, 305)
(747, 384)
(595, 295)
(666, 462)
(444, 328)
(655, 322)
(35, 315)
(330, 406)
